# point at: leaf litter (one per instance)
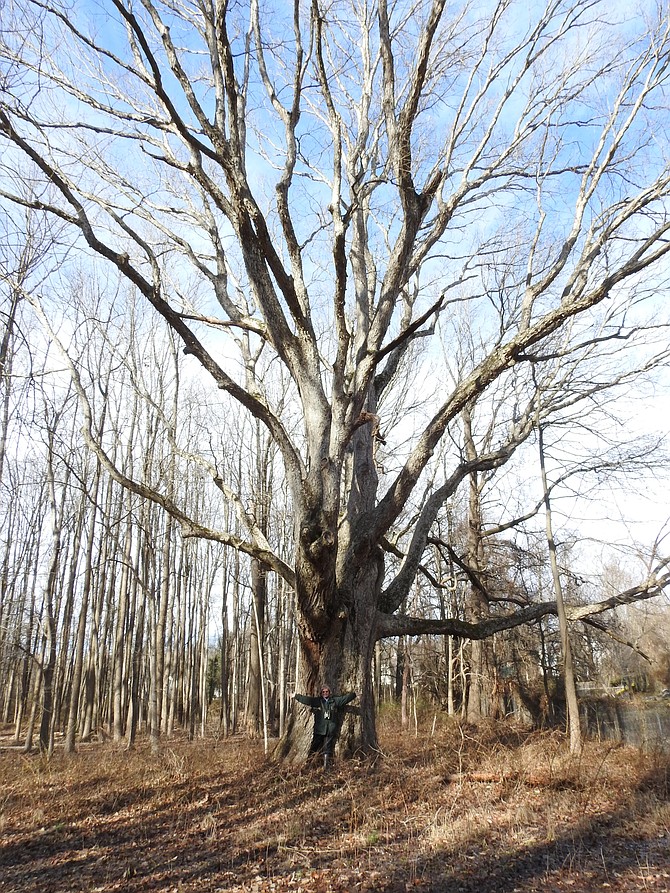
(463, 810)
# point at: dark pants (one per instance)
(324, 744)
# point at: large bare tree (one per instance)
(325, 189)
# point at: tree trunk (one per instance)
(120, 632)
(135, 670)
(339, 653)
(571, 701)
(28, 670)
(6, 362)
(50, 625)
(254, 706)
(75, 690)
(224, 712)
(450, 675)
(482, 665)
(48, 670)
(399, 668)
(404, 689)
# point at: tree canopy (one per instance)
(401, 238)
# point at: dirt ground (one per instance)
(459, 810)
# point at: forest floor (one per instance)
(452, 809)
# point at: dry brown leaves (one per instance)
(464, 811)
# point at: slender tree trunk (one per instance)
(110, 564)
(29, 649)
(6, 362)
(399, 667)
(194, 653)
(49, 620)
(404, 691)
(203, 653)
(479, 694)
(236, 645)
(283, 663)
(120, 632)
(65, 667)
(174, 709)
(91, 717)
(571, 700)
(75, 690)
(154, 730)
(224, 712)
(136, 672)
(450, 676)
(181, 680)
(32, 721)
(255, 705)
(161, 624)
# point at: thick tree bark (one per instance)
(337, 648)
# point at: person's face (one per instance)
(325, 692)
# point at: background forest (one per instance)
(113, 623)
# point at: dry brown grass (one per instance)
(492, 810)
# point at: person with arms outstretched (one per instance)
(326, 709)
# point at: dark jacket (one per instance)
(326, 711)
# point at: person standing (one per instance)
(326, 710)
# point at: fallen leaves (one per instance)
(216, 817)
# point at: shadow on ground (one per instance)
(220, 817)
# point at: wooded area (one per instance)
(329, 335)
